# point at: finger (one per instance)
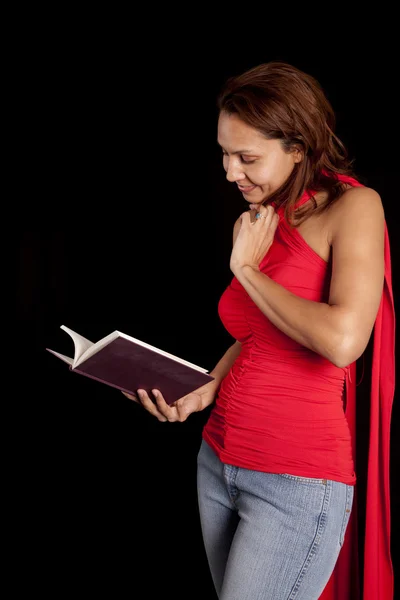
(272, 220)
(131, 397)
(186, 406)
(169, 411)
(266, 210)
(266, 214)
(245, 217)
(149, 405)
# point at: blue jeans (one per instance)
(269, 536)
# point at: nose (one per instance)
(234, 170)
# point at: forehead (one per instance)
(233, 132)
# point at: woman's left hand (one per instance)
(254, 238)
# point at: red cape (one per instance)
(377, 575)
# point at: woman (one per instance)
(311, 266)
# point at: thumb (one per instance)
(187, 406)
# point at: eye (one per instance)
(247, 161)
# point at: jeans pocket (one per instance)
(303, 479)
(347, 513)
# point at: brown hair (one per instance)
(284, 103)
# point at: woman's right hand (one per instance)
(182, 408)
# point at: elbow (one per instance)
(347, 353)
(342, 362)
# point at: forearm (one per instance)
(219, 372)
(315, 325)
(222, 368)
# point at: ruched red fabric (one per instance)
(283, 408)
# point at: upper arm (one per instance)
(358, 236)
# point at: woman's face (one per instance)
(257, 165)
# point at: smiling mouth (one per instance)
(246, 188)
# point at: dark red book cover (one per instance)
(128, 367)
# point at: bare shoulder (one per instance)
(236, 228)
(358, 207)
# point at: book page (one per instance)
(84, 349)
(66, 359)
(81, 344)
(93, 348)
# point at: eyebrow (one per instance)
(238, 151)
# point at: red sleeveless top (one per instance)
(283, 408)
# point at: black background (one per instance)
(121, 218)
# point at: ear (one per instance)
(297, 154)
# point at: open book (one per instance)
(125, 363)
